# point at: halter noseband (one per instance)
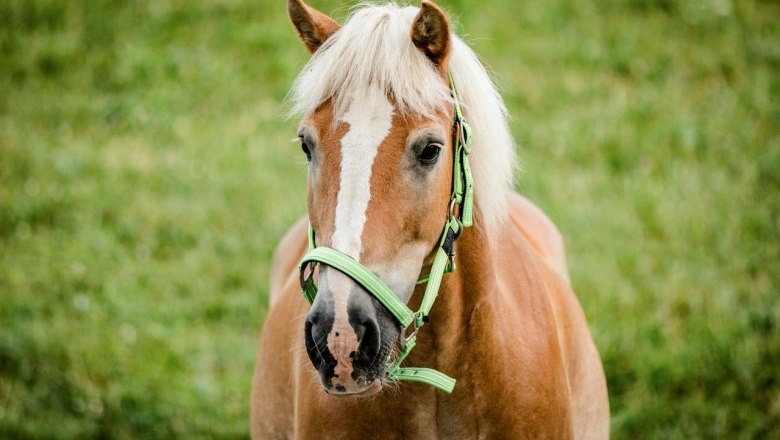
(444, 262)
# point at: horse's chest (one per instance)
(467, 414)
(388, 420)
(512, 393)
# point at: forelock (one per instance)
(372, 50)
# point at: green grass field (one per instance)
(146, 175)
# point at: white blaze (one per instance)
(370, 120)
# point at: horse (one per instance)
(411, 170)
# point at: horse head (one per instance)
(378, 142)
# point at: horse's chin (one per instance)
(368, 391)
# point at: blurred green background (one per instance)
(146, 175)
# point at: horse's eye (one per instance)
(429, 154)
(305, 148)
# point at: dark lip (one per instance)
(372, 390)
(373, 387)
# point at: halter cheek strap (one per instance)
(444, 262)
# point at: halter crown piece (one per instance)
(444, 262)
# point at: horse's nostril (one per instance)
(362, 318)
(315, 337)
(360, 330)
(368, 347)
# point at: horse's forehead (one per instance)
(363, 114)
(370, 121)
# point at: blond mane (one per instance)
(373, 48)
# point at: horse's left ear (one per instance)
(313, 26)
(431, 33)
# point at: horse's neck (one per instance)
(473, 278)
(461, 293)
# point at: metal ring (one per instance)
(403, 339)
(301, 278)
(459, 232)
(452, 208)
(462, 136)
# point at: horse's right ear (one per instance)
(313, 26)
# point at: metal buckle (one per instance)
(462, 137)
(453, 217)
(404, 339)
(459, 232)
(452, 208)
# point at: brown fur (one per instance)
(390, 196)
(539, 377)
(506, 324)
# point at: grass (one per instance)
(146, 175)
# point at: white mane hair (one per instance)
(374, 49)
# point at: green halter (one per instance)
(444, 262)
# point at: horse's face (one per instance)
(379, 188)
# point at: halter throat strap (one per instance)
(410, 321)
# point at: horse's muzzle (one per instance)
(344, 350)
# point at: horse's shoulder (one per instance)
(584, 371)
(286, 257)
(540, 231)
